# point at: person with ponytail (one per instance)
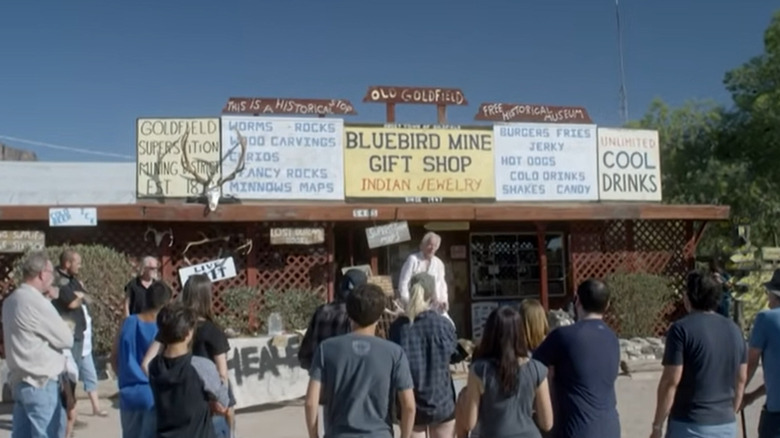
(505, 386)
(428, 338)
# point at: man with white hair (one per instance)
(426, 261)
(35, 336)
(137, 289)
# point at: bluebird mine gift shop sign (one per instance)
(546, 162)
(417, 164)
(286, 158)
(629, 165)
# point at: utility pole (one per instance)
(622, 93)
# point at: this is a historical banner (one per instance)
(418, 164)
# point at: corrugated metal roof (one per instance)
(52, 183)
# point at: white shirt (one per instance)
(34, 335)
(70, 366)
(87, 333)
(417, 263)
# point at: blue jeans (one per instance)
(221, 426)
(138, 423)
(38, 412)
(678, 429)
(88, 374)
(769, 424)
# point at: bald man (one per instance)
(137, 289)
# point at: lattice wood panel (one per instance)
(265, 267)
(598, 249)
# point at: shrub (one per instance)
(239, 305)
(104, 272)
(637, 300)
(296, 306)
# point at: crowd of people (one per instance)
(524, 380)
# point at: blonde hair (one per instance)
(422, 288)
(535, 325)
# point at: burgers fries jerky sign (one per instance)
(418, 165)
(158, 143)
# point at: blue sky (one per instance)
(78, 73)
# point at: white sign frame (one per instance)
(216, 270)
(73, 217)
(645, 150)
(280, 156)
(546, 159)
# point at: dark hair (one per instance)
(351, 280)
(716, 265)
(704, 291)
(593, 296)
(67, 255)
(196, 295)
(157, 296)
(366, 304)
(174, 323)
(502, 343)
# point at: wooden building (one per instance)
(543, 250)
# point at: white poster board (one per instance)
(629, 165)
(545, 162)
(286, 159)
(216, 270)
(73, 217)
(261, 371)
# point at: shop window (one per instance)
(506, 265)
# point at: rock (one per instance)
(636, 349)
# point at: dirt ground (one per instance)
(636, 402)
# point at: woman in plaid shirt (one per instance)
(429, 341)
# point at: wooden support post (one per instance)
(330, 238)
(441, 114)
(541, 238)
(390, 112)
(351, 244)
(252, 231)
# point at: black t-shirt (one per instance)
(208, 341)
(136, 292)
(710, 348)
(68, 287)
(585, 357)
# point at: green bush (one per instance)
(296, 306)
(637, 300)
(239, 304)
(754, 299)
(104, 272)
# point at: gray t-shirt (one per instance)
(508, 416)
(360, 377)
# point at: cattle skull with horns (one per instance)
(212, 190)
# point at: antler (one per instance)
(185, 161)
(203, 241)
(241, 161)
(248, 244)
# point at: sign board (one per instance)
(21, 241)
(422, 95)
(528, 113)
(286, 159)
(159, 155)
(297, 236)
(265, 370)
(270, 105)
(386, 235)
(364, 213)
(545, 162)
(73, 217)
(216, 270)
(768, 253)
(410, 164)
(629, 165)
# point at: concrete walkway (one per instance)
(636, 402)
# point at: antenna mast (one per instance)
(622, 95)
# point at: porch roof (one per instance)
(343, 212)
